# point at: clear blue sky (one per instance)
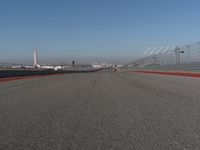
(65, 29)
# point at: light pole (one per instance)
(177, 52)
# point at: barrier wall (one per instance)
(17, 73)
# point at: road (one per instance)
(100, 111)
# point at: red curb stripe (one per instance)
(185, 74)
(24, 77)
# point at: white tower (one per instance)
(35, 58)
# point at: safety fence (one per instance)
(186, 57)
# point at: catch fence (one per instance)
(186, 57)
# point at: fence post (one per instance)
(188, 49)
(199, 50)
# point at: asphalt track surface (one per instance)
(100, 111)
